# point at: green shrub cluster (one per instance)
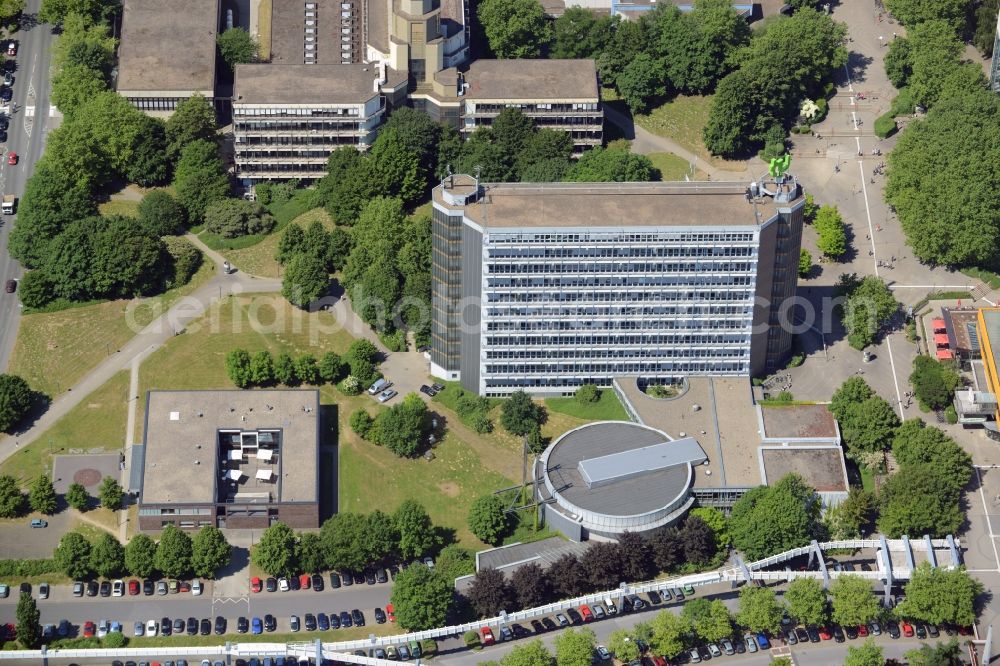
(28, 568)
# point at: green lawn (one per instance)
(98, 423)
(55, 349)
(126, 207)
(682, 119)
(608, 408)
(986, 276)
(354, 633)
(258, 259)
(673, 167)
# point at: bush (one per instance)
(482, 424)
(115, 639)
(588, 393)
(903, 104)
(186, 260)
(471, 639)
(885, 126)
(950, 414)
(395, 341)
(824, 109)
(350, 385)
(362, 423)
(231, 218)
(28, 568)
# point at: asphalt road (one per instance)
(127, 610)
(29, 123)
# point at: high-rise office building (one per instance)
(544, 287)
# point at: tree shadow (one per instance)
(857, 66)
(39, 405)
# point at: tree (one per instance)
(854, 602)
(867, 654)
(581, 33)
(575, 647)
(29, 631)
(107, 556)
(401, 428)
(57, 11)
(530, 585)
(602, 565)
(897, 62)
(933, 50)
(342, 535)
(621, 644)
(628, 39)
(306, 370)
(487, 519)
(77, 497)
(520, 414)
(421, 598)
(490, 593)
(912, 13)
(362, 423)
(940, 596)
(16, 398)
(42, 496)
(917, 443)
(806, 601)
(710, 620)
(416, 532)
(237, 47)
(514, 28)
(209, 552)
(760, 609)
(933, 382)
(869, 307)
(331, 368)
(274, 554)
(772, 519)
(635, 557)
(200, 178)
(284, 369)
(111, 494)
(670, 632)
(74, 85)
(698, 539)
(9, 9)
(232, 218)
(261, 369)
(854, 390)
(140, 556)
(345, 189)
(35, 289)
(454, 561)
(667, 548)
(380, 537)
(160, 214)
(567, 577)
(393, 169)
(852, 518)
(829, 225)
(193, 120)
(942, 654)
(150, 164)
(73, 555)
(238, 367)
(310, 553)
(917, 500)
(305, 280)
(922, 182)
(186, 260)
(290, 244)
(173, 553)
(642, 81)
(610, 165)
(868, 426)
(529, 654)
(587, 394)
(805, 263)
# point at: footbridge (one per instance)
(894, 561)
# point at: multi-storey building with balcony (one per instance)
(555, 94)
(544, 287)
(287, 119)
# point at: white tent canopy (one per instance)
(265, 454)
(235, 454)
(234, 474)
(264, 474)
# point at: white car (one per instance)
(387, 395)
(152, 627)
(283, 584)
(118, 588)
(102, 628)
(43, 591)
(197, 588)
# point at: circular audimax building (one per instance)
(609, 477)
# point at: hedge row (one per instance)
(26, 568)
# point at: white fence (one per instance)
(343, 648)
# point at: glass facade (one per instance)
(446, 249)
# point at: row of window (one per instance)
(618, 267)
(633, 252)
(619, 325)
(480, 107)
(736, 351)
(741, 302)
(552, 375)
(647, 339)
(306, 126)
(594, 282)
(619, 237)
(242, 110)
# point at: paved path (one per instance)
(645, 142)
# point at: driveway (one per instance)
(21, 541)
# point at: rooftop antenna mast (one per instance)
(451, 177)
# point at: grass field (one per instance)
(608, 408)
(98, 423)
(55, 349)
(264, 29)
(259, 259)
(126, 207)
(682, 120)
(351, 634)
(673, 167)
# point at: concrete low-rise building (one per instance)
(234, 459)
(287, 119)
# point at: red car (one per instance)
(964, 631)
(390, 613)
(12, 48)
(255, 585)
(133, 587)
(825, 634)
(906, 628)
(588, 615)
(487, 636)
(862, 630)
(88, 629)
(12, 157)
(305, 581)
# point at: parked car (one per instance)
(105, 588)
(43, 591)
(310, 622)
(598, 610)
(387, 395)
(602, 653)
(293, 622)
(790, 636)
(693, 656)
(506, 634)
(358, 617)
(256, 626)
(892, 628)
(205, 626)
(35, 522)
(345, 619)
(404, 653)
(933, 631)
(727, 646)
(875, 628)
(391, 653)
(751, 643)
(381, 575)
(220, 625)
(852, 632)
(714, 650)
(861, 630)
(11, 49)
(824, 633)
(242, 625)
(118, 588)
(152, 628)
(103, 627)
(610, 605)
(197, 588)
(322, 622)
(179, 625)
(148, 587)
(161, 587)
(138, 629)
(390, 612)
(562, 620)
(192, 626)
(255, 584)
(283, 584)
(801, 635)
(637, 602)
(537, 626)
(379, 616)
(78, 588)
(763, 642)
(838, 634)
(183, 586)
(270, 623)
(907, 629)
(133, 587)
(370, 576)
(487, 636)
(317, 583)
